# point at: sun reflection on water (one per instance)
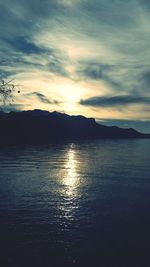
(70, 182)
(71, 176)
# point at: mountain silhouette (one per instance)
(39, 127)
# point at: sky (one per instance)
(79, 57)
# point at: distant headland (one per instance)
(42, 127)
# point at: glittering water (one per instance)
(76, 204)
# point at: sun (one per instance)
(71, 95)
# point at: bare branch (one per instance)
(7, 90)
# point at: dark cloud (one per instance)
(93, 70)
(146, 77)
(145, 4)
(44, 99)
(23, 13)
(24, 46)
(57, 68)
(6, 74)
(20, 22)
(46, 60)
(144, 81)
(113, 13)
(124, 77)
(110, 74)
(13, 107)
(114, 101)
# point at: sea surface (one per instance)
(75, 204)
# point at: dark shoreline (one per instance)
(43, 127)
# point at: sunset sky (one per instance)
(89, 57)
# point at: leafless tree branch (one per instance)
(7, 89)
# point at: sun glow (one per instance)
(71, 94)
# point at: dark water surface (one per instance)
(76, 204)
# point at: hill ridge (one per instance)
(41, 126)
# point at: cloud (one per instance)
(100, 46)
(14, 107)
(110, 74)
(5, 74)
(94, 70)
(57, 65)
(20, 44)
(144, 81)
(115, 101)
(27, 57)
(44, 99)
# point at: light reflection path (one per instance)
(71, 178)
(70, 182)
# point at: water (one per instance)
(75, 204)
